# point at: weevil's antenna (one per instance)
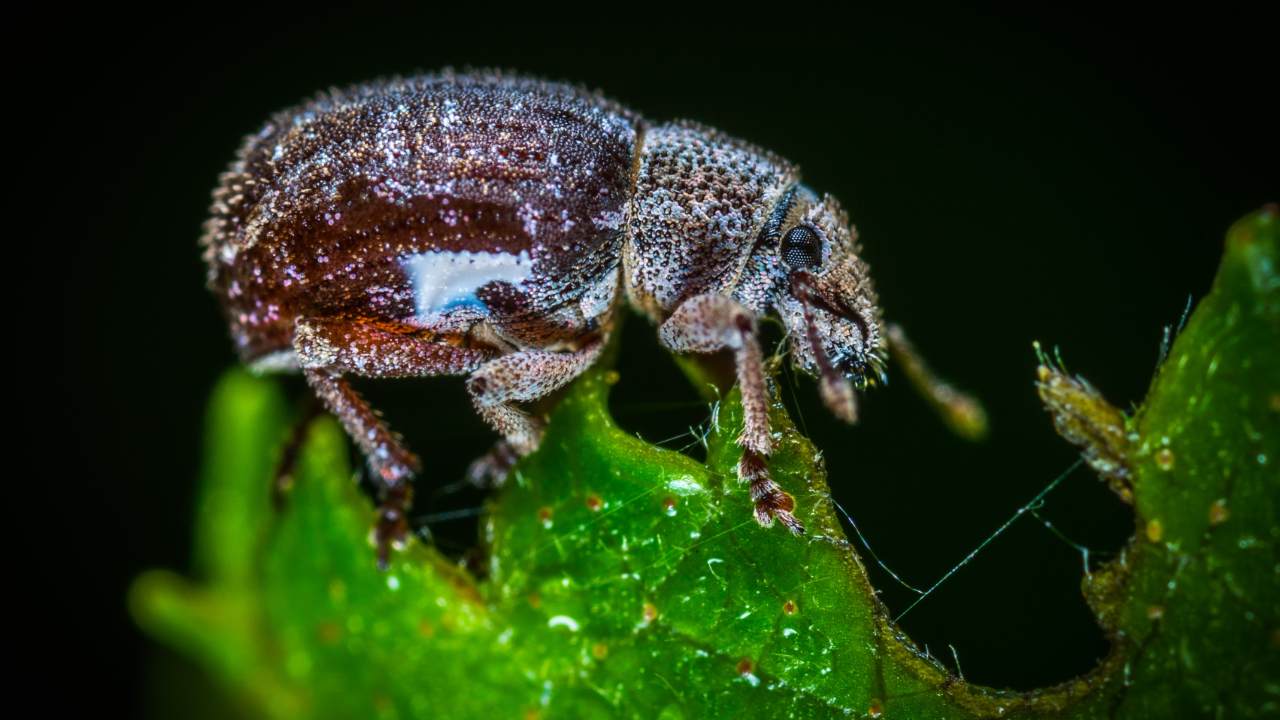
(835, 390)
(961, 412)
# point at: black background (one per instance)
(1013, 177)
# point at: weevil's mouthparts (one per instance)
(870, 374)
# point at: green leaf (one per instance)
(628, 581)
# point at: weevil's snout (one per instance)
(830, 308)
(834, 339)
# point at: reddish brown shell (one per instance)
(322, 206)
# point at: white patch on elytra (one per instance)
(443, 280)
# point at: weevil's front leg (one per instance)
(521, 377)
(710, 323)
(328, 348)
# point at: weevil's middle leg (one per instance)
(713, 322)
(330, 347)
(523, 376)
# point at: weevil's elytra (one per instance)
(490, 226)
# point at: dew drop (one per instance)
(563, 621)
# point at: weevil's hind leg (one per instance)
(288, 461)
(961, 412)
(521, 377)
(713, 322)
(328, 348)
(393, 465)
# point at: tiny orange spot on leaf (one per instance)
(1155, 530)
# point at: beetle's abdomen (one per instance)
(395, 200)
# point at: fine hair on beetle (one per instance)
(492, 226)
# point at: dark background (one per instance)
(1013, 177)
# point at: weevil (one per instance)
(492, 226)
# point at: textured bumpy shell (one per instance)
(700, 199)
(322, 207)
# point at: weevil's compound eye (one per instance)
(802, 248)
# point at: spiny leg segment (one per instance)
(710, 323)
(329, 348)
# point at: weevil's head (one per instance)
(826, 299)
(714, 214)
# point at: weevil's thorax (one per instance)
(699, 202)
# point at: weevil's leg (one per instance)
(961, 412)
(328, 348)
(491, 469)
(378, 349)
(289, 455)
(391, 462)
(521, 377)
(710, 323)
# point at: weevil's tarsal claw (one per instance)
(771, 502)
(392, 529)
